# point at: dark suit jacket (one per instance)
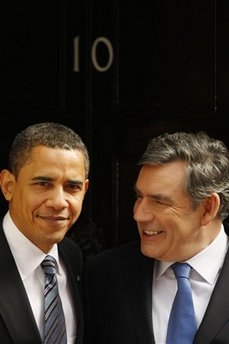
(17, 323)
(119, 300)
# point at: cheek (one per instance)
(76, 205)
(19, 200)
(30, 204)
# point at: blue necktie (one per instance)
(182, 323)
(55, 330)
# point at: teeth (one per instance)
(149, 232)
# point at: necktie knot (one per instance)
(181, 270)
(49, 265)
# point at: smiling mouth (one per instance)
(151, 233)
(55, 218)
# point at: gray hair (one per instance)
(53, 135)
(208, 164)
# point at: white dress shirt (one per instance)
(206, 268)
(28, 258)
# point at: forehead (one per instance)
(46, 158)
(169, 175)
(48, 153)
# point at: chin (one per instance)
(147, 251)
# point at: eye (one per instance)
(74, 186)
(158, 201)
(137, 196)
(161, 201)
(42, 183)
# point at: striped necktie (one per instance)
(182, 323)
(54, 324)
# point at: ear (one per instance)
(86, 185)
(7, 181)
(210, 208)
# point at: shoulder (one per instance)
(71, 252)
(120, 251)
(116, 258)
(117, 264)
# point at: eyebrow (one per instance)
(48, 179)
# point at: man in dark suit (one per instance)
(45, 187)
(182, 199)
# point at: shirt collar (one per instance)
(206, 263)
(27, 256)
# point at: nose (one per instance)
(57, 199)
(142, 211)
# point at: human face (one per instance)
(169, 227)
(46, 198)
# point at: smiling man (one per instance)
(182, 200)
(45, 187)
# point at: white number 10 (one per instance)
(97, 66)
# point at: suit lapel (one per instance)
(15, 308)
(217, 313)
(74, 279)
(141, 297)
